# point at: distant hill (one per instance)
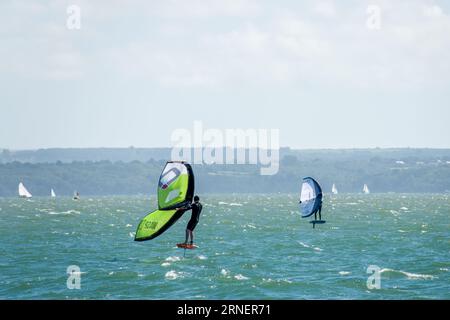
(94, 154)
(145, 154)
(136, 171)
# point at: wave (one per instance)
(269, 280)
(172, 275)
(240, 277)
(409, 275)
(232, 204)
(173, 259)
(303, 244)
(68, 212)
(224, 272)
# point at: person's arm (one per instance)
(188, 207)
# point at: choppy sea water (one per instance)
(250, 247)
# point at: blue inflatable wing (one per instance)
(310, 197)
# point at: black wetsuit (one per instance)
(196, 210)
(319, 210)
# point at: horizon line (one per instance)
(228, 147)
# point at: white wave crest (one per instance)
(224, 272)
(172, 275)
(303, 244)
(173, 259)
(240, 277)
(409, 275)
(269, 280)
(68, 212)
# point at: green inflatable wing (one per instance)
(156, 223)
(176, 186)
(175, 191)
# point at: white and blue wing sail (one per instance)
(310, 197)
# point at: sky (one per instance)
(327, 74)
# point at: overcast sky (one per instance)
(137, 70)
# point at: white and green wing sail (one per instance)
(176, 186)
(175, 191)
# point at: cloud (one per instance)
(206, 9)
(326, 9)
(433, 11)
(228, 43)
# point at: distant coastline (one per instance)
(132, 171)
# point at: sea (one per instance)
(250, 246)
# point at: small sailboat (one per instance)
(76, 196)
(23, 192)
(52, 194)
(334, 190)
(366, 189)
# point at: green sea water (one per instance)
(250, 247)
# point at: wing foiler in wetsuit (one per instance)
(196, 208)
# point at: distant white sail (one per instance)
(334, 190)
(23, 192)
(366, 189)
(53, 194)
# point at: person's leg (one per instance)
(315, 215)
(320, 213)
(192, 237)
(187, 236)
